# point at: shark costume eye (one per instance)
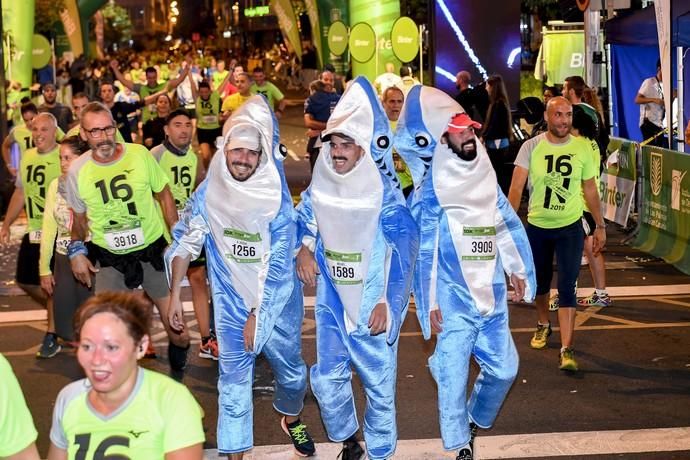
(422, 140)
(383, 142)
(283, 150)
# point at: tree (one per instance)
(117, 24)
(47, 14)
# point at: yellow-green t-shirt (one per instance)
(181, 171)
(233, 102)
(17, 430)
(555, 175)
(149, 111)
(401, 168)
(207, 111)
(118, 198)
(596, 158)
(159, 417)
(36, 172)
(218, 78)
(271, 91)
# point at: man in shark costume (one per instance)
(243, 215)
(469, 236)
(364, 240)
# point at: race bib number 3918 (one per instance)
(344, 268)
(478, 243)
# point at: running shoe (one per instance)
(553, 303)
(351, 451)
(567, 360)
(177, 356)
(49, 347)
(209, 350)
(465, 454)
(304, 444)
(595, 300)
(540, 336)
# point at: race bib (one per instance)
(209, 119)
(478, 243)
(245, 248)
(35, 236)
(344, 268)
(61, 244)
(124, 237)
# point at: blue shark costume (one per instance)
(365, 244)
(249, 232)
(469, 236)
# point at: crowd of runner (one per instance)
(121, 204)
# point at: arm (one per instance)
(55, 453)
(517, 185)
(13, 209)
(307, 268)
(195, 452)
(178, 268)
(640, 99)
(7, 153)
(81, 265)
(310, 123)
(31, 453)
(222, 85)
(192, 84)
(173, 84)
(281, 108)
(167, 203)
(121, 78)
(589, 188)
(402, 235)
(48, 235)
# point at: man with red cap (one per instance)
(470, 239)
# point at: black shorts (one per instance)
(199, 261)
(588, 223)
(208, 136)
(27, 262)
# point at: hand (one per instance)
(307, 269)
(12, 171)
(248, 332)
(4, 235)
(115, 65)
(436, 321)
(378, 319)
(518, 288)
(82, 268)
(313, 132)
(176, 314)
(279, 114)
(47, 283)
(599, 240)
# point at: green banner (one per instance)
(18, 24)
(562, 54)
(381, 14)
(617, 184)
(405, 39)
(316, 32)
(330, 12)
(41, 52)
(362, 42)
(664, 228)
(71, 23)
(288, 24)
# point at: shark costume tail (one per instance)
(248, 229)
(470, 239)
(365, 243)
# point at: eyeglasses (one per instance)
(98, 132)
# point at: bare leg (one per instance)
(566, 322)
(597, 265)
(35, 292)
(237, 456)
(542, 304)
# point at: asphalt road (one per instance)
(634, 382)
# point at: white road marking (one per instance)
(512, 446)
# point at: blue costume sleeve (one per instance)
(279, 282)
(189, 233)
(429, 217)
(513, 246)
(402, 236)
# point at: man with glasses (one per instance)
(111, 192)
(361, 241)
(37, 169)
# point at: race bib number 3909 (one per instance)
(245, 248)
(344, 268)
(478, 243)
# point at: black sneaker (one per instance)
(304, 444)
(177, 356)
(465, 454)
(351, 451)
(473, 434)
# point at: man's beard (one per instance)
(467, 151)
(105, 149)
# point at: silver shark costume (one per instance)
(469, 239)
(249, 232)
(365, 243)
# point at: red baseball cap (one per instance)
(460, 122)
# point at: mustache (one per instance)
(105, 143)
(239, 163)
(467, 151)
(339, 158)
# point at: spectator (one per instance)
(650, 98)
(497, 133)
(62, 113)
(387, 79)
(317, 111)
(475, 101)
